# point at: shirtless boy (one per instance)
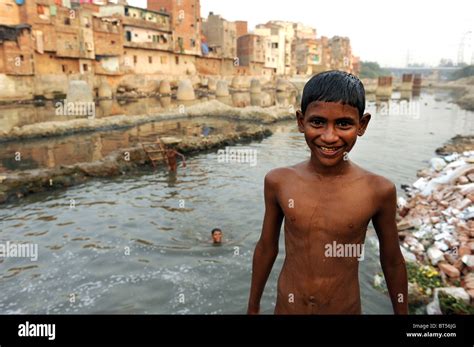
(170, 154)
(327, 203)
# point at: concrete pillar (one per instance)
(165, 87)
(384, 87)
(237, 82)
(185, 90)
(222, 89)
(282, 85)
(255, 86)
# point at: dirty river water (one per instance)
(140, 243)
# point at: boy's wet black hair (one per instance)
(214, 230)
(334, 86)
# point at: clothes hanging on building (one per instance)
(52, 10)
(39, 41)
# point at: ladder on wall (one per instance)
(154, 151)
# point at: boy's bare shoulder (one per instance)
(280, 174)
(380, 184)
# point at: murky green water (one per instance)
(164, 221)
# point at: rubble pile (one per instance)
(436, 224)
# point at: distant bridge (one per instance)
(433, 72)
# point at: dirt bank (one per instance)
(465, 91)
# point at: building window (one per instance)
(112, 42)
(164, 60)
(176, 60)
(193, 43)
(67, 21)
(128, 36)
(85, 67)
(150, 60)
(135, 60)
(275, 45)
(64, 68)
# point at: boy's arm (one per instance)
(266, 250)
(391, 258)
(182, 158)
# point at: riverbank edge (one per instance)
(464, 87)
(211, 109)
(15, 186)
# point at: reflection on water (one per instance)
(18, 115)
(130, 245)
(78, 148)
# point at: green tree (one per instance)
(370, 69)
(466, 71)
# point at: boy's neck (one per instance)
(340, 169)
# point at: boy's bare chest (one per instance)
(341, 208)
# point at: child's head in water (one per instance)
(216, 236)
(332, 116)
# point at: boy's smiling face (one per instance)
(331, 129)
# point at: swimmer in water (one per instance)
(216, 234)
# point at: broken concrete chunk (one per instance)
(435, 255)
(437, 163)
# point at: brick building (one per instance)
(307, 56)
(250, 48)
(16, 50)
(185, 23)
(221, 36)
(241, 28)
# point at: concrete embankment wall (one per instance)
(15, 185)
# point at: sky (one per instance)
(388, 32)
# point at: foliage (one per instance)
(466, 71)
(425, 276)
(451, 305)
(370, 69)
